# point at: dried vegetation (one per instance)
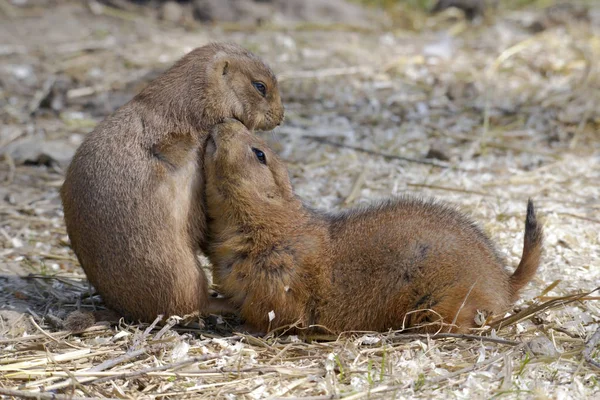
(484, 114)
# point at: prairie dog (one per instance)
(370, 268)
(132, 195)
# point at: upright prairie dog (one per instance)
(371, 268)
(133, 193)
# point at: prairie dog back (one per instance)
(402, 263)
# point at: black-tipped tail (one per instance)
(532, 252)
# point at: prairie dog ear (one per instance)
(224, 67)
(220, 64)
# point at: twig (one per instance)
(463, 304)
(41, 94)
(88, 45)
(171, 322)
(92, 377)
(413, 336)
(278, 355)
(202, 388)
(589, 348)
(52, 335)
(152, 326)
(178, 365)
(139, 339)
(73, 379)
(356, 187)
(119, 360)
(520, 149)
(57, 257)
(548, 288)
(39, 328)
(586, 298)
(67, 280)
(465, 336)
(98, 368)
(44, 361)
(42, 396)
(521, 315)
(85, 91)
(450, 189)
(583, 217)
(377, 153)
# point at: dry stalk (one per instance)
(320, 139)
(43, 396)
(530, 311)
(175, 366)
(589, 349)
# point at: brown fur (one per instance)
(364, 269)
(132, 194)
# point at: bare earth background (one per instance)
(483, 114)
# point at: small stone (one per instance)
(171, 11)
(536, 319)
(436, 151)
(542, 346)
(35, 151)
(22, 72)
(471, 8)
(180, 351)
(10, 199)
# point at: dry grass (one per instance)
(144, 360)
(515, 113)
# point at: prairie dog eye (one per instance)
(262, 89)
(260, 155)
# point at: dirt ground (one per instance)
(483, 114)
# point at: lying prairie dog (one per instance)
(133, 194)
(401, 263)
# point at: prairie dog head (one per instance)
(214, 82)
(245, 87)
(243, 174)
